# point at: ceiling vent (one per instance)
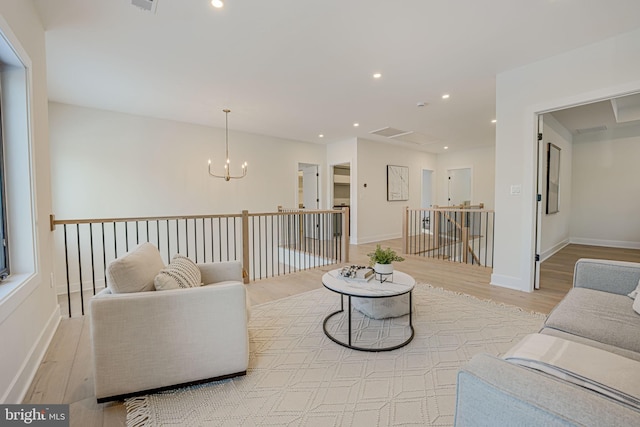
(590, 130)
(416, 138)
(147, 5)
(404, 136)
(390, 132)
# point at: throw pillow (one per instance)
(180, 273)
(634, 294)
(135, 271)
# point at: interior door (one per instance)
(310, 185)
(539, 184)
(310, 199)
(427, 199)
(459, 186)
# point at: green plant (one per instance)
(383, 256)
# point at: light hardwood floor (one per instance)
(65, 375)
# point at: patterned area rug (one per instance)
(298, 377)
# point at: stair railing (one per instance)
(268, 244)
(456, 233)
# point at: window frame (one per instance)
(5, 265)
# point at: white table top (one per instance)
(402, 283)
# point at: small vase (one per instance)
(383, 268)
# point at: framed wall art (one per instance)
(553, 178)
(397, 183)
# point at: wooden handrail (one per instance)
(53, 221)
(263, 242)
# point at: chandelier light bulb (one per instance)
(217, 4)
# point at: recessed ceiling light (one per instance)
(321, 136)
(446, 147)
(445, 96)
(355, 125)
(377, 75)
(217, 3)
(494, 121)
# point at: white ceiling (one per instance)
(602, 118)
(299, 68)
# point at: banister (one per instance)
(267, 243)
(460, 233)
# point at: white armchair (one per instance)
(154, 340)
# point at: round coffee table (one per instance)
(399, 284)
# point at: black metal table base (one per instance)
(370, 349)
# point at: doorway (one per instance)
(599, 145)
(342, 185)
(427, 189)
(341, 190)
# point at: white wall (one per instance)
(29, 312)
(555, 227)
(107, 164)
(606, 189)
(481, 161)
(597, 71)
(379, 219)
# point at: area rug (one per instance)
(298, 377)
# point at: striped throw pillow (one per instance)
(180, 273)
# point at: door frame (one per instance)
(534, 112)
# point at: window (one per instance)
(18, 226)
(4, 249)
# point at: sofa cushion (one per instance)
(599, 316)
(597, 344)
(180, 273)
(134, 271)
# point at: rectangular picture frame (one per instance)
(397, 183)
(553, 178)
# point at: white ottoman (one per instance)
(382, 308)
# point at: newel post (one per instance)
(245, 245)
(345, 235)
(405, 230)
(465, 237)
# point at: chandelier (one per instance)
(227, 173)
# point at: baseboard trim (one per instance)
(22, 381)
(508, 282)
(608, 243)
(554, 249)
(380, 238)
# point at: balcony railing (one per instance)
(456, 233)
(268, 244)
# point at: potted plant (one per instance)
(381, 260)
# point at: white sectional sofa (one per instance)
(145, 340)
(597, 327)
